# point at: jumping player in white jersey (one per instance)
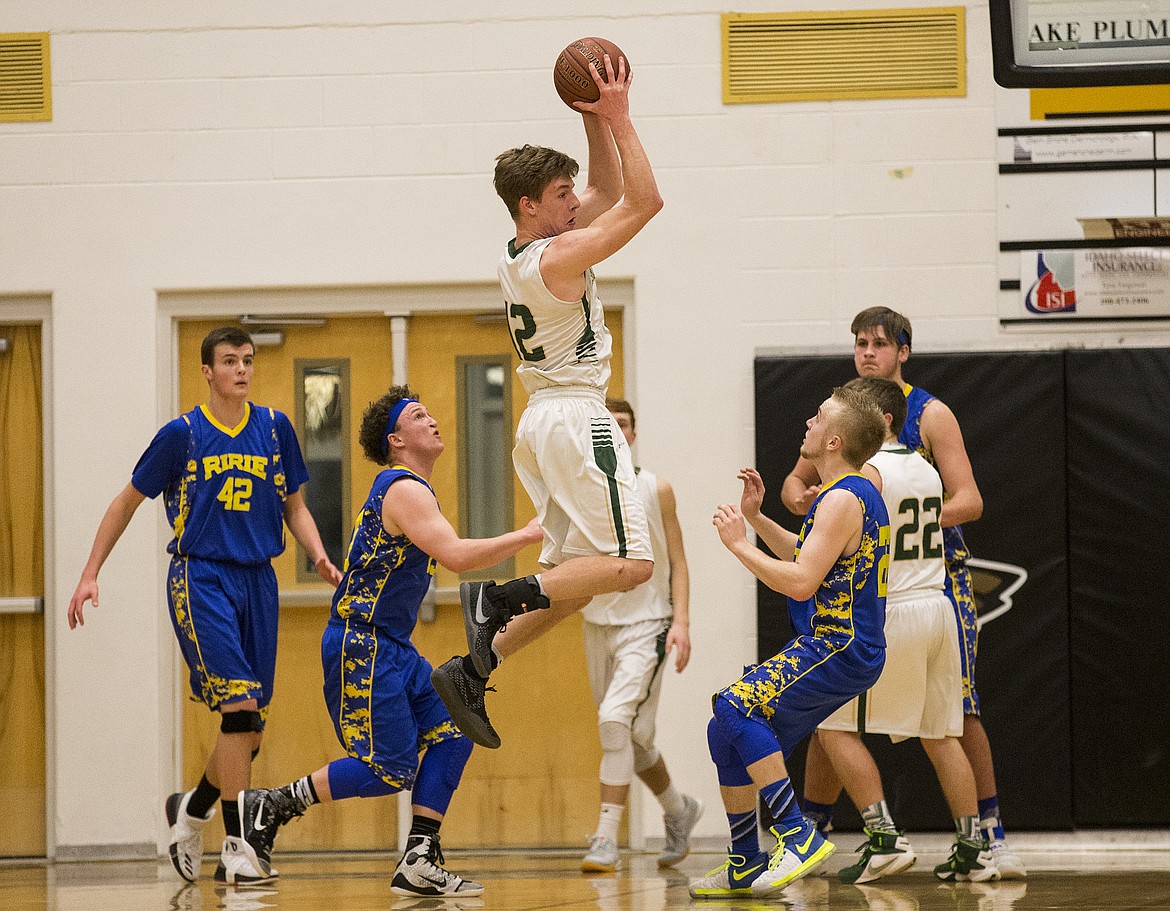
(628, 638)
(920, 692)
(569, 453)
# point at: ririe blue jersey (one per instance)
(851, 601)
(386, 576)
(954, 547)
(225, 486)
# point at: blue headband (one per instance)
(392, 421)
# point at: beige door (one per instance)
(299, 737)
(540, 788)
(22, 578)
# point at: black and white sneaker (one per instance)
(481, 622)
(262, 812)
(236, 868)
(420, 871)
(464, 697)
(186, 847)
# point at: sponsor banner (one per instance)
(1108, 283)
(1081, 148)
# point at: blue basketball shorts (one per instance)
(379, 695)
(225, 616)
(807, 681)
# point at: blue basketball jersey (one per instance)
(851, 601)
(386, 576)
(954, 547)
(225, 486)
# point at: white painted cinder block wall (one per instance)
(249, 145)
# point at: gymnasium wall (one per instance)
(305, 145)
(1071, 670)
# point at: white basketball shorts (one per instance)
(572, 459)
(920, 691)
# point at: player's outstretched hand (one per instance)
(753, 492)
(532, 532)
(327, 571)
(728, 521)
(804, 501)
(87, 590)
(614, 90)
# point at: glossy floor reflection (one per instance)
(1062, 875)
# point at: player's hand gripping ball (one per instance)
(571, 74)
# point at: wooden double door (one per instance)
(540, 788)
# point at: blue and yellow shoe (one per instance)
(798, 852)
(735, 877)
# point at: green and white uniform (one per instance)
(570, 454)
(920, 691)
(625, 637)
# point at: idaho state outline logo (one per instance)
(1047, 294)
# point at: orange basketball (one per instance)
(571, 74)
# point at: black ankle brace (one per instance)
(519, 596)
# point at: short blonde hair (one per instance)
(860, 424)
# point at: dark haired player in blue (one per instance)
(377, 686)
(834, 574)
(231, 473)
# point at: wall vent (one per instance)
(848, 54)
(25, 87)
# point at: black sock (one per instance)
(231, 818)
(424, 825)
(518, 596)
(203, 799)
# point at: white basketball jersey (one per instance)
(913, 493)
(651, 600)
(560, 343)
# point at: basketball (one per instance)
(571, 74)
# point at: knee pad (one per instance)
(439, 773)
(644, 758)
(242, 722)
(617, 753)
(349, 777)
(751, 738)
(375, 787)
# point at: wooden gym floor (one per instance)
(1065, 872)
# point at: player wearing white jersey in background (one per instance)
(569, 454)
(920, 691)
(628, 638)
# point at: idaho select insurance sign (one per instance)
(1105, 283)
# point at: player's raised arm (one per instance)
(575, 251)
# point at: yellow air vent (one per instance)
(25, 93)
(848, 54)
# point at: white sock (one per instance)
(671, 800)
(611, 818)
